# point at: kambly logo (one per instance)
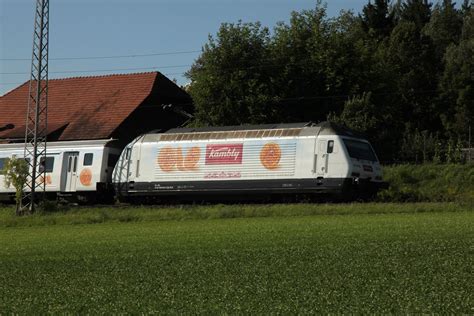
(229, 154)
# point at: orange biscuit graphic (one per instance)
(170, 158)
(86, 177)
(179, 159)
(167, 159)
(40, 180)
(270, 156)
(192, 158)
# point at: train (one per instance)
(232, 162)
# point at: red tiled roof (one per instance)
(19, 131)
(92, 107)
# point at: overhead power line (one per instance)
(99, 70)
(18, 83)
(109, 57)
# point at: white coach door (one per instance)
(71, 159)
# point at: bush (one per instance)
(429, 183)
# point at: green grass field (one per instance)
(380, 258)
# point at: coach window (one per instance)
(2, 164)
(88, 158)
(330, 146)
(46, 166)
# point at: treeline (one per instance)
(401, 72)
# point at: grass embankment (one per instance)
(429, 182)
(362, 263)
(82, 215)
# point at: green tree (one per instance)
(360, 114)
(411, 54)
(401, 72)
(230, 81)
(417, 12)
(321, 63)
(457, 84)
(444, 27)
(377, 19)
(300, 49)
(466, 7)
(16, 172)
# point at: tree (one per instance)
(300, 50)
(230, 81)
(417, 12)
(360, 114)
(321, 63)
(466, 7)
(457, 84)
(399, 71)
(411, 55)
(377, 19)
(16, 172)
(444, 27)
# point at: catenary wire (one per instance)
(109, 57)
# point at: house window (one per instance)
(88, 158)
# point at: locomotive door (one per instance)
(322, 159)
(69, 176)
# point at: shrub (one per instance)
(16, 174)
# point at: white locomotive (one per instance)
(260, 160)
(201, 163)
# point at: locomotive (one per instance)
(230, 162)
(235, 161)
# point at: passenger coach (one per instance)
(81, 169)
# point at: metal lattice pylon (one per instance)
(37, 112)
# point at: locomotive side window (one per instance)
(330, 146)
(88, 158)
(46, 166)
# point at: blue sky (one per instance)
(83, 28)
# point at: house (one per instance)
(100, 107)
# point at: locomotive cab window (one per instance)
(330, 147)
(360, 150)
(46, 165)
(88, 159)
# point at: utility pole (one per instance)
(37, 112)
